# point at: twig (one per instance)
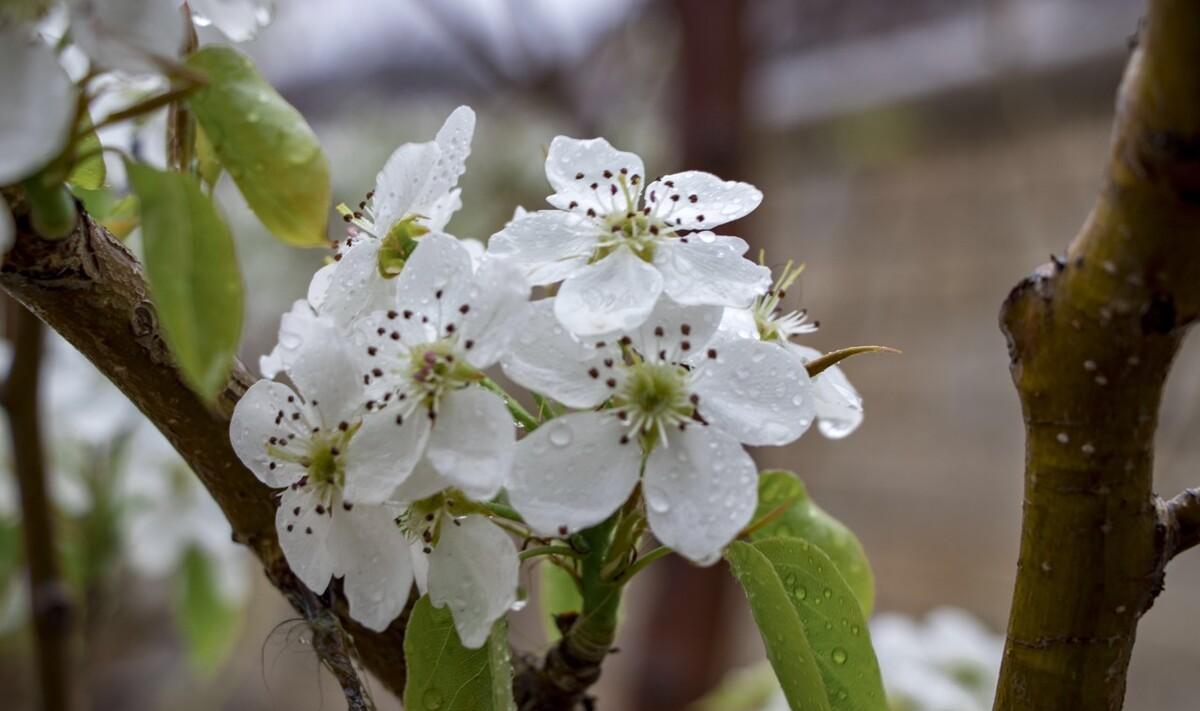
(50, 601)
(1183, 521)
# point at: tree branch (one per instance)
(1182, 520)
(91, 290)
(1091, 339)
(50, 600)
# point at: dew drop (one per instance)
(839, 655)
(432, 699)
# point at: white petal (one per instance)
(454, 144)
(838, 405)
(574, 166)
(373, 555)
(401, 180)
(37, 105)
(700, 490)
(737, 324)
(674, 333)
(473, 441)
(354, 286)
(297, 326)
(256, 421)
(319, 285)
(547, 359)
(476, 249)
(704, 200)
(420, 564)
(710, 269)
(489, 312)
(756, 392)
(422, 483)
(238, 20)
(324, 374)
(615, 294)
(435, 279)
(382, 454)
(382, 351)
(573, 472)
(124, 34)
(304, 537)
(473, 569)
(548, 245)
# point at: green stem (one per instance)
(527, 421)
(640, 564)
(549, 550)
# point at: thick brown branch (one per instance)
(1091, 339)
(50, 600)
(1182, 520)
(91, 290)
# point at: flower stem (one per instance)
(527, 421)
(641, 563)
(550, 550)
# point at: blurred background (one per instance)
(920, 157)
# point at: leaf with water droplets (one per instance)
(785, 510)
(834, 624)
(793, 660)
(265, 145)
(192, 268)
(445, 676)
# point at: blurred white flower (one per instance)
(128, 35)
(37, 110)
(238, 20)
(168, 513)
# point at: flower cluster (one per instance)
(660, 355)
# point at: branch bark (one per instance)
(91, 290)
(1092, 338)
(50, 600)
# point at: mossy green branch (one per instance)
(1091, 338)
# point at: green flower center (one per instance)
(398, 245)
(655, 397)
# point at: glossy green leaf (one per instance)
(779, 623)
(802, 518)
(265, 145)
(833, 623)
(90, 172)
(193, 273)
(558, 594)
(208, 165)
(209, 624)
(445, 676)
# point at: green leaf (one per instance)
(90, 172)
(558, 594)
(833, 623)
(209, 624)
(802, 518)
(193, 273)
(779, 623)
(444, 675)
(265, 145)
(208, 165)
(118, 215)
(746, 689)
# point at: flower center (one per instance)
(655, 397)
(773, 324)
(435, 370)
(424, 519)
(398, 245)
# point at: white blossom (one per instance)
(839, 407)
(415, 193)
(679, 403)
(128, 35)
(616, 254)
(238, 20)
(37, 111)
(373, 500)
(423, 360)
